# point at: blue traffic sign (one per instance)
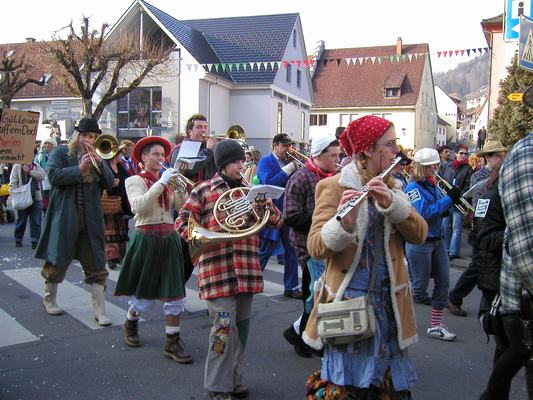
(513, 10)
(525, 43)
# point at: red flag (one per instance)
(439, 53)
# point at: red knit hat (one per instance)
(363, 133)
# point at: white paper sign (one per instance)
(263, 192)
(188, 153)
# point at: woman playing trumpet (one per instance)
(368, 241)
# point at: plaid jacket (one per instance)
(227, 268)
(516, 192)
(300, 201)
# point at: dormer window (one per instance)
(392, 87)
(392, 92)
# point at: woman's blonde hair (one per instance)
(73, 144)
(418, 171)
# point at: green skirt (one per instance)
(152, 268)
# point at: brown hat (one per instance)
(492, 146)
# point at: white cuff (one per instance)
(335, 236)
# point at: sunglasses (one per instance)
(463, 153)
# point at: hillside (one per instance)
(466, 77)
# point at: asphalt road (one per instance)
(68, 357)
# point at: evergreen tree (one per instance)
(512, 120)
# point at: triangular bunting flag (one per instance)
(403, 57)
(348, 61)
(285, 64)
(480, 50)
(325, 62)
(195, 67)
(338, 62)
(410, 57)
(486, 49)
(373, 59)
(457, 52)
(439, 54)
(391, 59)
(468, 52)
(474, 50)
(278, 63)
(298, 63)
(189, 66)
(462, 52)
(361, 60)
(379, 60)
(254, 66)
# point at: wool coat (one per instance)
(58, 238)
(342, 250)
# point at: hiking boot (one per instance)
(219, 396)
(131, 333)
(299, 345)
(240, 392)
(456, 310)
(175, 351)
(441, 332)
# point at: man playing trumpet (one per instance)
(74, 223)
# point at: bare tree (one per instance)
(17, 72)
(114, 66)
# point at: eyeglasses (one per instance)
(463, 153)
(391, 144)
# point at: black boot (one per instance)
(299, 345)
(131, 333)
(174, 350)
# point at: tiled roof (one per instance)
(233, 40)
(338, 84)
(246, 39)
(52, 89)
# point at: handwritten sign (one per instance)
(18, 131)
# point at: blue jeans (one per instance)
(34, 212)
(267, 248)
(452, 234)
(425, 259)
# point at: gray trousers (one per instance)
(230, 317)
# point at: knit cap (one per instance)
(227, 151)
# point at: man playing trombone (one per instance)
(197, 130)
(74, 223)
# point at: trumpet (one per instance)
(89, 149)
(180, 182)
(464, 207)
(350, 204)
(296, 156)
(234, 132)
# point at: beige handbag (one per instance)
(347, 321)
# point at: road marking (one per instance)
(71, 298)
(13, 332)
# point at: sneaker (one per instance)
(456, 310)
(441, 332)
(219, 396)
(299, 345)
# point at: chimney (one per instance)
(30, 40)
(399, 46)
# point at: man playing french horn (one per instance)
(228, 273)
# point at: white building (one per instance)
(394, 82)
(448, 112)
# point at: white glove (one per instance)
(167, 175)
(289, 168)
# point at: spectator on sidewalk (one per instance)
(20, 175)
(457, 173)
(41, 158)
(444, 154)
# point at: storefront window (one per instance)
(140, 109)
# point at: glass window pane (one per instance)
(122, 103)
(156, 99)
(139, 108)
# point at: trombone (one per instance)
(180, 182)
(105, 146)
(464, 207)
(296, 156)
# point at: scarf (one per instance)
(320, 174)
(164, 198)
(232, 183)
(456, 163)
(431, 180)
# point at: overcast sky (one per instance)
(445, 25)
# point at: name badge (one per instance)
(414, 195)
(482, 207)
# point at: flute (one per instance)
(350, 204)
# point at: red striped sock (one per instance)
(436, 316)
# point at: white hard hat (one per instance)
(427, 156)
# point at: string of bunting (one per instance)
(272, 65)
